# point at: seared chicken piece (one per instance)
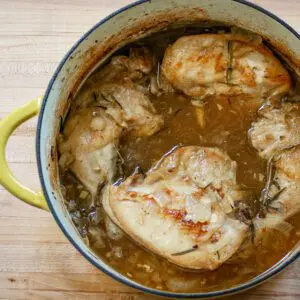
(130, 108)
(108, 106)
(88, 147)
(125, 69)
(224, 64)
(133, 71)
(91, 134)
(182, 208)
(276, 129)
(285, 189)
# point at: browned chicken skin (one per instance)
(224, 64)
(182, 209)
(276, 129)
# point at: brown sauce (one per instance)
(226, 124)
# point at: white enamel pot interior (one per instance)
(129, 23)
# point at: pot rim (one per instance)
(287, 260)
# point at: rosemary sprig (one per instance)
(244, 214)
(265, 199)
(229, 68)
(194, 248)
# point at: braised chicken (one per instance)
(224, 64)
(124, 69)
(88, 147)
(285, 189)
(276, 129)
(89, 142)
(181, 209)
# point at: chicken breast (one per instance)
(224, 64)
(276, 129)
(182, 208)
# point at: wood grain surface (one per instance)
(36, 260)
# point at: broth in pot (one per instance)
(180, 159)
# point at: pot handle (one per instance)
(7, 126)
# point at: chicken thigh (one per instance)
(182, 208)
(285, 189)
(276, 129)
(88, 147)
(101, 114)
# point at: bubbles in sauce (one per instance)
(221, 122)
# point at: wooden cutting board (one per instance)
(36, 260)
